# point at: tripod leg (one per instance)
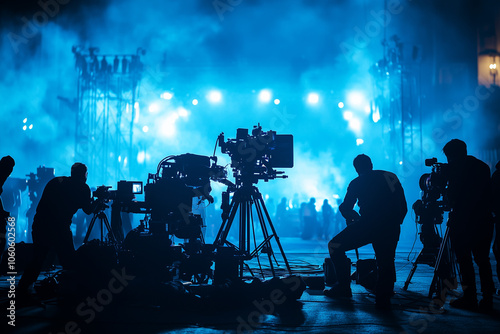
(274, 232)
(412, 271)
(89, 230)
(108, 226)
(226, 225)
(437, 283)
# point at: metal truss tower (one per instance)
(397, 104)
(107, 97)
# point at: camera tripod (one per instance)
(443, 261)
(244, 199)
(103, 220)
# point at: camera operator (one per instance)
(61, 199)
(382, 208)
(470, 223)
(6, 167)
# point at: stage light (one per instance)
(214, 96)
(25, 127)
(355, 99)
(376, 116)
(277, 101)
(154, 107)
(25, 120)
(30, 127)
(265, 96)
(341, 105)
(119, 158)
(145, 128)
(359, 142)
(355, 125)
(167, 96)
(348, 115)
(493, 66)
(312, 98)
(182, 112)
(141, 157)
(195, 102)
(401, 163)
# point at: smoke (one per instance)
(194, 46)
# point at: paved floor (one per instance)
(412, 311)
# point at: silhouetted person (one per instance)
(382, 208)
(470, 222)
(496, 210)
(327, 211)
(61, 198)
(309, 214)
(281, 214)
(6, 167)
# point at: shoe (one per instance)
(465, 303)
(338, 291)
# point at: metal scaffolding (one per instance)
(107, 97)
(397, 103)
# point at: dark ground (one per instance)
(412, 311)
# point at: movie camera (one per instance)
(429, 210)
(254, 157)
(179, 182)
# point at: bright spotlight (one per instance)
(376, 116)
(356, 99)
(348, 115)
(167, 96)
(195, 102)
(313, 98)
(168, 128)
(341, 105)
(141, 157)
(25, 127)
(359, 141)
(493, 66)
(265, 96)
(145, 128)
(30, 127)
(25, 120)
(355, 125)
(277, 101)
(154, 107)
(182, 112)
(401, 163)
(214, 96)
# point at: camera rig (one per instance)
(169, 194)
(429, 210)
(253, 157)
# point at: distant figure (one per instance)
(309, 214)
(496, 210)
(281, 213)
(382, 208)
(6, 167)
(61, 198)
(471, 223)
(328, 216)
(338, 221)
